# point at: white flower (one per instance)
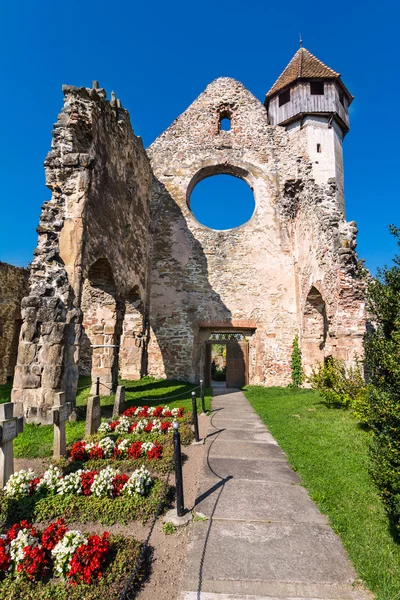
(50, 479)
(165, 410)
(151, 410)
(19, 484)
(123, 425)
(107, 445)
(175, 411)
(65, 549)
(156, 425)
(23, 539)
(146, 446)
(104, 427)
(70, 484)
(138, 483)
(141, 424)
(102, 484)
(124, 445)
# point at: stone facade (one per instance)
(13, 286)
(126, 281)
(263, 273)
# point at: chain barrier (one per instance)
(130, 585)
(171, 397)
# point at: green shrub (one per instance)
(297, 367)
(339, 385)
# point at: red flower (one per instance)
(130, 412)
(113, 425)
(53, 534)
(88, 560)
(167, 413)
(78, 451)
(33, 485)
(4, 556)
(132, 427)
(155, 453)
(148, 427)
(165, 426)
(135, 450)
(35, 563)
(118, 483)
(144, 412)
(13, 531)
(96, 452)
(87, 480)
(158, 411)
(180, 412)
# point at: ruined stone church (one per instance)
(126, 282)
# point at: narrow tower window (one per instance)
(284, 98)
(225, 121)
(319, 148)
(317, 88)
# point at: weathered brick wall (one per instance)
(100, 180)
(13, 286)
(259, 273)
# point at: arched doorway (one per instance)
(315, 330)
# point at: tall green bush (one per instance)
(382, 357)
(339, 385)
(297, 368)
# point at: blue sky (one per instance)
(159, 56)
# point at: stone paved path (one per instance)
(264, 538)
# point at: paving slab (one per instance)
(264, 538)
(251, 470)
(246, 450)
(257, 501)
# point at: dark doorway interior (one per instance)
(226, 362)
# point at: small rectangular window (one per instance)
(284, 98)
(341, 98)
(319, 148)
(317, 88)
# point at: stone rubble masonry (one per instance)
(97, 219)
(262, 271)
(13, 286)
(126, 281)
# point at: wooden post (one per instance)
(119, 402)
(10, 427)
(61, 411)
(93, 415)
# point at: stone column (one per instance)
(61, 411)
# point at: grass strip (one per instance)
(329, 450)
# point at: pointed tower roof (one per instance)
(304, 65)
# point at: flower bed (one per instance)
(96, 569)
(68, 554)
(106, 482)
(120, 449)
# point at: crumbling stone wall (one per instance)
(13, 286)
(259, 275)
(100, 180)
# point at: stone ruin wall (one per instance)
(91, 256)
(257, 277)
(13, 286)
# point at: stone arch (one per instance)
(101, 327)
(315, 329)
(133, 340)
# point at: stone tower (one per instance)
(309, 95)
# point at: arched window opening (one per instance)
(222, 202)
(101, 327)
(315, 330)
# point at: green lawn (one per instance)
(329, 450)
(37, 440)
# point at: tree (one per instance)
(382, 360)
(297, 368)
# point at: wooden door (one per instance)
(237, 364)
